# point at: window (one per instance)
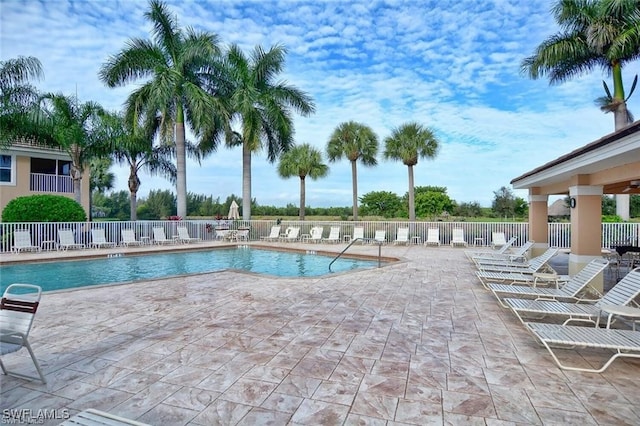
(6, 169)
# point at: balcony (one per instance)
(42, 182)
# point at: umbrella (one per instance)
(233, 210)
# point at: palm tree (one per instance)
(73, 127)
(302, 161)
(263, 107)
(353, 141)
(407, 143)
(132, 144)
(595, 33)
(175, 67)
(17, 96)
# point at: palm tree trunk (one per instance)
(354, 179)
(620, 116)
(134, 185)
(412, 203)
(246, 182)
(302, 197)
(181, 166)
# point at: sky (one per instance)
(453, 66)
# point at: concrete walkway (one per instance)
(419, 342)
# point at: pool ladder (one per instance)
(352, 243)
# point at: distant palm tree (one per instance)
(17, 96)
(262, 106)
(73, 127)
(175, 67)
(407, 143)
(595, 33)
(101, 179)
(302, 161)
(353, 141)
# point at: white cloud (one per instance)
(451, 65)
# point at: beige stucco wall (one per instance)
(20, 186)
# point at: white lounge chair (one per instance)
(457, 237)
(91, 417)
(518, 255)
(273, 235)
(334, 235)
(433, 237)
(183, 235)
(17, 311)
(159, 236)
(574, 290)
(402, 236)
(358, 234)
(621, 294)
(99, 240)
(380, 237)
(498, 240)
(291, 235)
(624, 343)
(67, 240)
(315, 234)
(22, 242)
(537, 264)
(129, 238)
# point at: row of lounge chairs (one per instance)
(66, 239)
(513, 281)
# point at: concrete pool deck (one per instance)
(414, 343)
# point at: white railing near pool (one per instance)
(45, 235)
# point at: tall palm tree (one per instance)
(17, 96)
(262, 105)
(302, 161)
(174, 66)
(74, 128)
(407, 143)
(354, 141)
(132, 145)
(595, 34)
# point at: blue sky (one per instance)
(453, 66)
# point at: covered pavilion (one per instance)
(609, 165)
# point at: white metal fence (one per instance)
(46, 234)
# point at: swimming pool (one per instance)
(109, 270)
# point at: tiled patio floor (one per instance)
(416, 343)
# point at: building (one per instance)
(29, 169)
(610, 165)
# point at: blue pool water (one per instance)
(109, 270)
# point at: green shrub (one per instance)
(43, 208)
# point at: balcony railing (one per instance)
(42, 182)
(559, 234)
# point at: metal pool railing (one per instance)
(45, 235)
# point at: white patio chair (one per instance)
(160, 237)
(503, 254)
(315, 234)
(498, 240)
(334, 235)
(273, 235)
(574, 290)
(22, 241)
(624, 343)
(358, 234)
(291, 235)
(621, 294)
(183, 235)
(129, 238)
(537, 264)
(457, 237)
(380, 237)
(17, 311)
(402, 237)
(433, 237)
(67, 240)
(99, 240)
(242, 235)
